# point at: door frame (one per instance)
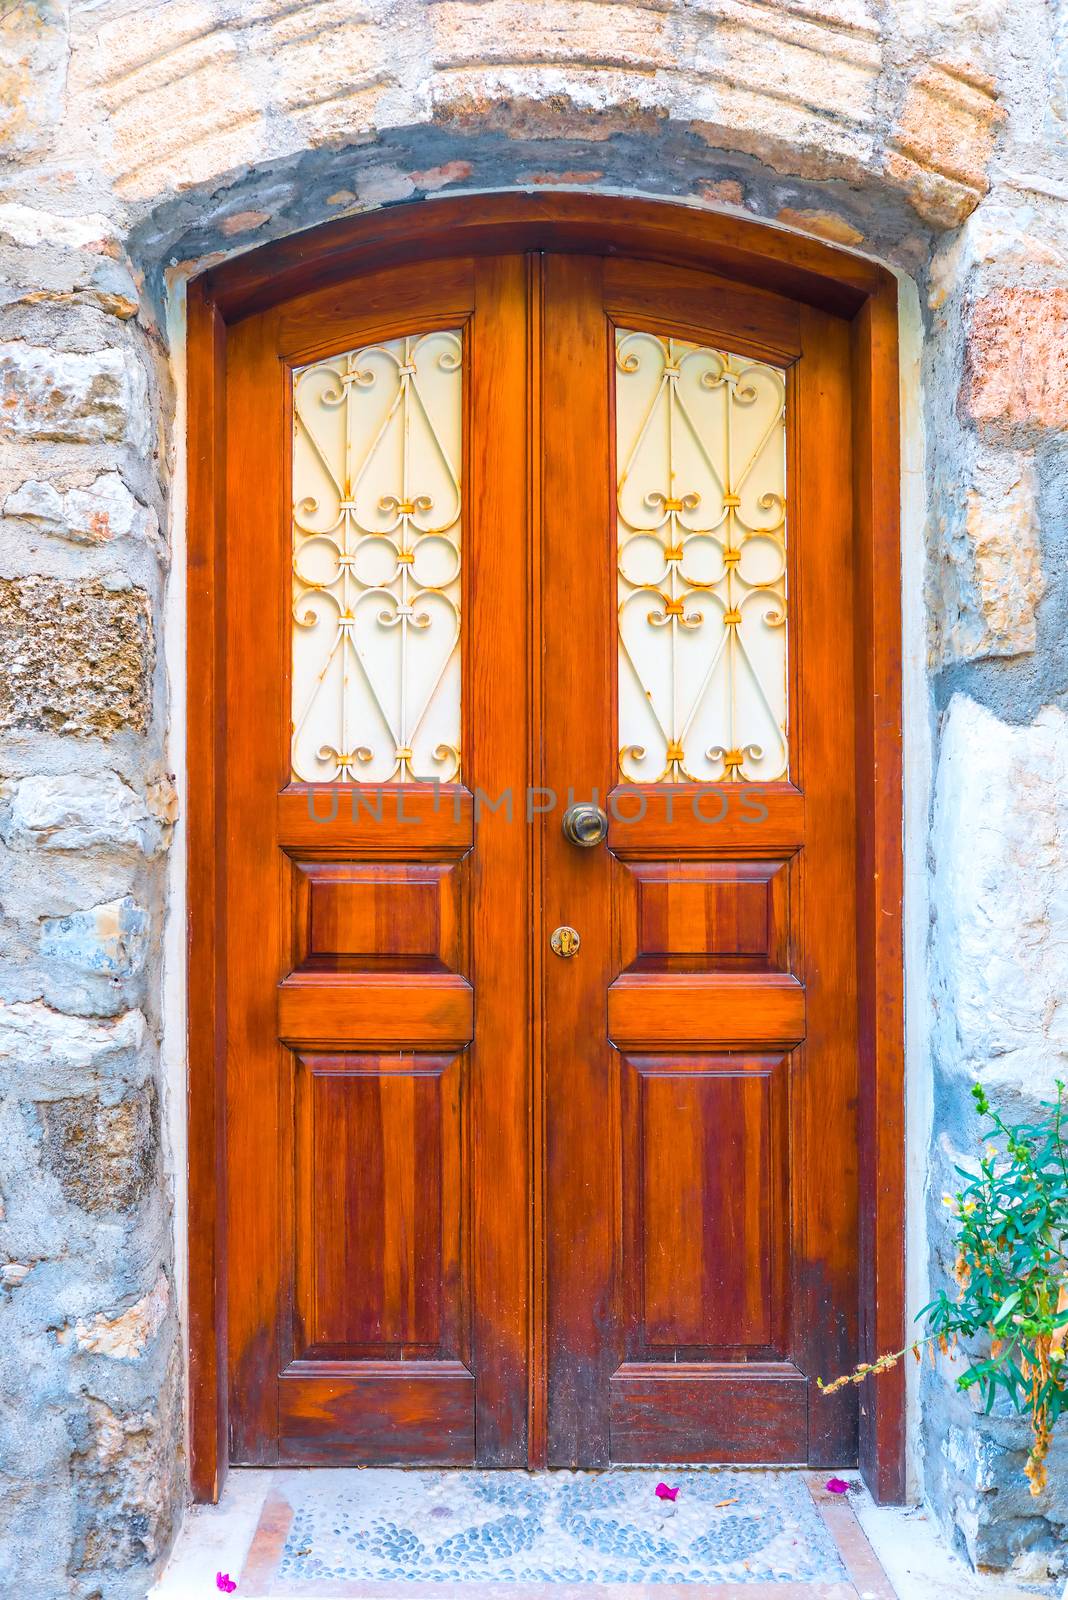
(858, 290)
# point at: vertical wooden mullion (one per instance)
(538, 1354)
(824, 1070)
(206, 743)
(258, 1070)
(880, 929)
(495, 679)
(578, 638)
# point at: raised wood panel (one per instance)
(377, 1413)
(391, 303)
(319, 1009)
(703, 819)
(364, 820)
(742, 317)
(378, 1185)
(354, 916)
(701, 1009)
(680, 1411)
(705, 1173)
(704, 916)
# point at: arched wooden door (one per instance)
(539, 1147)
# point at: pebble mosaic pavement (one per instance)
(393, 1532)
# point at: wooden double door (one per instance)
(540, 1148)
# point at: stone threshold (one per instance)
(886, 1551)
(265, 1573)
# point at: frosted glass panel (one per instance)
(701, 501)
(376, 563)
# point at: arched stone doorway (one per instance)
(553, 1384)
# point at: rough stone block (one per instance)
(1000, 902)
(213, 121)
(74, 658)
(333, 93)
(98, 398)
(102, 511)
(51, 1053)
(1016, 372)
(103, 1156)
(943, 140)
(126, 1482)
(986, 574)
(976, 1464)
(797, 91)
(46, 276)
(125, 1336)
(504, 32)
(26, 225)
(33, 60)
(74, 812)
(111, 939)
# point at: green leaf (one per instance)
(1008, 1308)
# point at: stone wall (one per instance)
(140, 141)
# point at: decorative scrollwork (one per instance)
(376, 563)
(701, 501)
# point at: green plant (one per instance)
(1011, 1275)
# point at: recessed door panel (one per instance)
(378, 1189)
(704, 916)
(705, 1170)
(362, 916)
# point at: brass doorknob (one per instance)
(585, 825)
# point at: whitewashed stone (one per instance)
(62, 395)
(103, 511)
(71, 812)
(126, 1336)
(25, 225)
(110, 939)
(40, 502)
(1000, 900)
(60, 1054)
(33, 59)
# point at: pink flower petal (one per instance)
(662, 1492)
(837, 1486)
(224, 1582)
